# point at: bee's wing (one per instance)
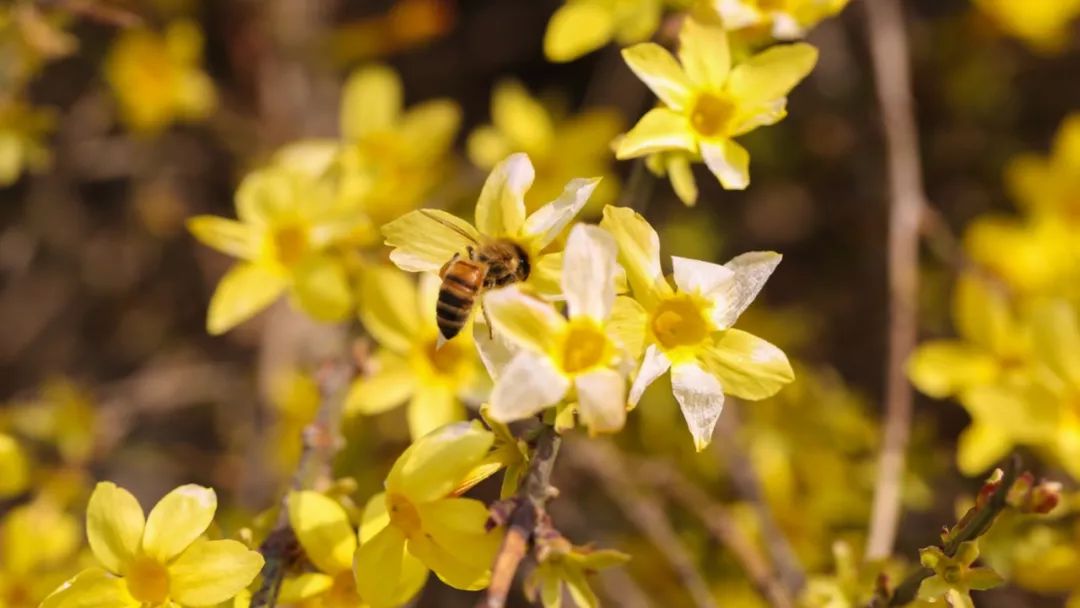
(425, 239)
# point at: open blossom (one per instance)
(686, 328)
(426, 239)
(159, 560)
(322, 527)
(411, 367)
(708, 102)
(559, 357)
(420, 523)
(785, 19)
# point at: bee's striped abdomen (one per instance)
(462, 280)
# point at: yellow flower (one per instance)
(329, 541)
(558, 357)
(707, 102)
(288, 225)
(419, 523)
(156, 78)
(14, 467)
(160, 560)
(1036, 256)
(22, 131)
(411, 366)
(1050, 186)
(785, 19)
(582, 26)
(1043, 24)
(953, 577)
(561, 149)
(295, 395)
(426, 239)
(37, 544)
(687, 329)
(63, 416)
(564, 569)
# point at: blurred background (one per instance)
(108, 371)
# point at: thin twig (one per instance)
(527, 512)
(720, 523)
(748, 486)
(320, 443)
(892, 77)
(644, 510)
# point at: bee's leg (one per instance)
(487, 319)
(442, 271)
(472, 252)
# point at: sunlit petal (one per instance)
(701, 399)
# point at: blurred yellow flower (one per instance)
(322, 526)
(560, 149)
(156, 78)
(288, 226)
(563, 571)
(1050, 185)
(22, 131)
(1042, 24)
(411, 366)
(14, 467)
(582, 26)
(577, 358)
(1034, 256)
(426, 239)
(707, 102)
(784, 19)
(419, 523)
(160, 560)
(295, 397)
(954, 579)
(37, 544)
(687, 329)
(63, 416)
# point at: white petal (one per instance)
(653, 365)
(751, 270)
(494, 349)
(705, 278)
(785, 27)
(602, 400)
(548, 221)
(729, 162)
(527, 386)
(588, 278)
(701, 398)
(737, 14)
(500, 210)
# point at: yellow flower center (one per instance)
(290, 244)
(952, 574)
(403, 514)
(584, 346)
(342, 594)
(712, 115)
(446, 360)
(147, 580)
(680, 320)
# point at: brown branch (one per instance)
(320, 444)
(748, 486)
(720, 523)
(527, 511)
(892, 77)
(644, 510)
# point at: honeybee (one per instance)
(490, 264)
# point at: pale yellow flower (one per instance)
(582, 26)
(322, 526)
(785, 19)
(14, 467)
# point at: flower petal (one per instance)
(450, 525)
(577, 28)
(701, 399)
(657, 68)
(524, 320)
(500, 210)
(323, 529)
(706, 278)
(386, 575)
(428, 130)
(626, 326)
(653, 365)
(772, 73)
(602, 400)
(681, 177)
(114, 525)
(747, 366)
(387, 307)
(639, 252)
(370, 101)
(212, 571)
(659, 130)
(527, 386)
(981, 446)
(321, 288)
(424, 240)
(520, 117)
(177, 520)
(432, 406)
(548, 221)
(296, 589)
(391, 383)
(1057, 339)
(941, 368)
(435, 464)
(729, 162)
(704, 53)
(589, 272)
(227, 236)
(93, 588)
(266, 195)
(374, 518)
(751, 270)
(244, 291)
